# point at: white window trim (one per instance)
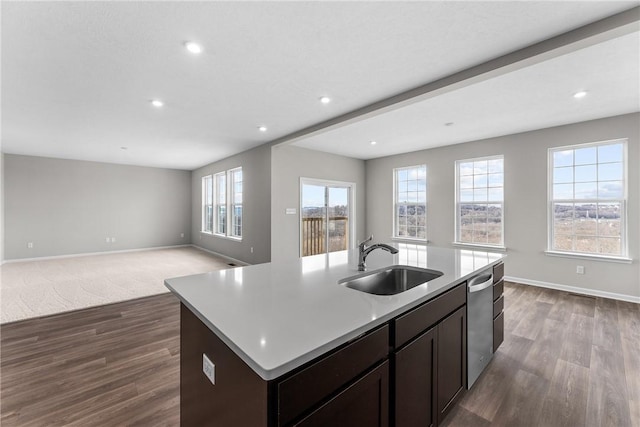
(352, 206)
(456, 242)
(393, 207)
(624, 244)
(216, 176)
(228, 215)
(495, 248)
(231, 204)
(203, 204)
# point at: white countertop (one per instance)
(278, 316)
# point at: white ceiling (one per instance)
(534, 97)
(77, 77)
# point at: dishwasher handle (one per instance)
(479, 283)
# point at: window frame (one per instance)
(458, 218)
(217, 204)
(395, 217)
(231, 203)
(203, 225)
(624, 241)
(227, 202)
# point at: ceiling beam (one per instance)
(591, 34)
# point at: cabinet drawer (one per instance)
(295, 396)
(498, 272)
(498, 331)
(498, 289)
(423, 317)
(364, 403)
(498, 306)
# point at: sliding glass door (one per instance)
(325, 216)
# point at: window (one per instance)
(236, 202)
(222, 203)
(480, 201)
(587, 192)
(410, 202)
(207, 206)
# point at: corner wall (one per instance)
(1, 207)
(289, 164)
(67, 207)
(256, 215)
(525, 163)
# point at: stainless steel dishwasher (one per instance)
(479, 324)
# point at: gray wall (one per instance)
(69, 207)
(525, 157)
(289, 164)
(256, 220)
(1, 207)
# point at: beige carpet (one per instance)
(39, 288)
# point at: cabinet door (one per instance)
(498, 331)
(452, 360)
(364, 403)
(415, 380)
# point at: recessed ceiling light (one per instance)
(373, 142)
(325, 99)
(194, 48)
(157, 103)
(580, 94)
(262, 128)
(449, 124)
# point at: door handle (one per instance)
(473, 287)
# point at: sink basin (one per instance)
(391, 280)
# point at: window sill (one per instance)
(409, 240)
(222, 236)
(622, 260)
(477, 246)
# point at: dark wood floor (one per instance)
(566, 361)
(113, 365)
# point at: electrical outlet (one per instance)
(251, 249)
(181, 235)
(580, 269)
(208, 368)
(113, 240)
(108, 239)
(30, 245)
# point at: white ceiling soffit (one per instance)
(77, 77)
(534, 97)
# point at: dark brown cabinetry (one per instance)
(430, 371)
(363, 403)
(348, 384)
(415, 382)
(498, 305)
(452, 361)
(408, 372)
(303, 390)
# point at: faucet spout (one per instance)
(364, 251)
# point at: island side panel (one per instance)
(238, 397)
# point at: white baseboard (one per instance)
(574, 289)
(227, 257)
(45, 258)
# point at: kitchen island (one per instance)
(286, 339)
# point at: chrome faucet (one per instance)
(363, 251)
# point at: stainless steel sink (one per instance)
(391, 280)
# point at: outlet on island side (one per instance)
(580, 269)
(208, 368)
(29, 245)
